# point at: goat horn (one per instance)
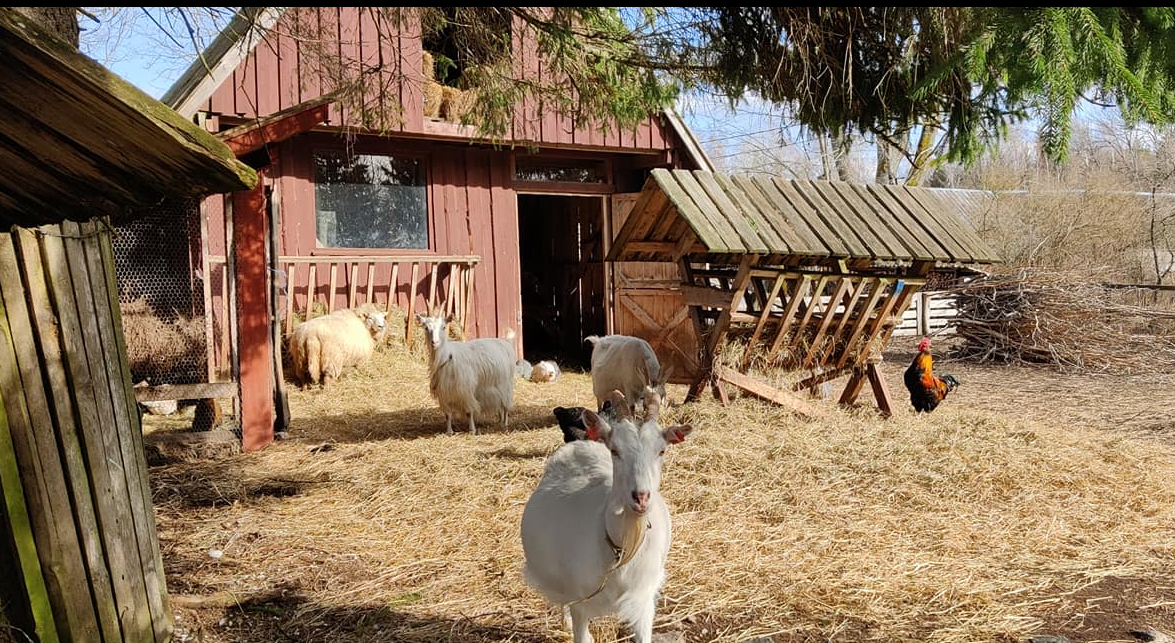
(620, 405)
(652, 404)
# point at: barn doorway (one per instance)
(562, 276)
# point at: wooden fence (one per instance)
(317, 285)
(931, 313)
(73, 476)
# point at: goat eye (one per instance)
(615, 453)
(662, 452)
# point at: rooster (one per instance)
(926, 390)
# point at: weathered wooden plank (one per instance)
(86, 372)
(819, 378)
(332, 288)
(932, 226)
(291, 279)
(853, 387)
(812, 304)
(371, 282)
(771, 394)
(311, 289)
(770, 215)
(914, 228)
(796, 294)
(863, 229)
(731, 213)
(761, 323)
(802, 216)
(28, 580)
(708, 209)
(911, 199)
(100, 260)
(869, 218)
(393, 288)
(962, 232)
(432, 289)
(912, 244)
(842, 288)
(411, 305)
(706, 296)
(880, 390)
(351, 284)
(39, 357)
(832, 219)
(688, 210)
(758, 219)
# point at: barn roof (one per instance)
(248, 29)
(709, 215)
(76, 140)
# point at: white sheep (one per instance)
(322, 347)
(472, 377)
(627, 364)
(545, 371)
(596, 532)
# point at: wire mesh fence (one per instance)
(161, 293)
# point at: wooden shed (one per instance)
(812, 275)
(505, 235)
(78, 543)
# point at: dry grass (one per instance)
(962, 525)
(160, 348)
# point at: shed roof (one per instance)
(76, 140)
(774, 217)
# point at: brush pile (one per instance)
(1043, 317)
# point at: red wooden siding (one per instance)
(472, 211)
(276, 75)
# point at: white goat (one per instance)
(472, 377)
(627, 364)
(596, 532)
(322, 347)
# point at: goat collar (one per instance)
(619, 559)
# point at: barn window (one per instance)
(370, 201)
(529, 168)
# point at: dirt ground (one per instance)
(1031, 503)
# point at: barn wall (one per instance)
(276, 76)
(472, 211)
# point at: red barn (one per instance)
(533, 217)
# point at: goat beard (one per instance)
(633, 530)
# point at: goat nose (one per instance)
(641, 498)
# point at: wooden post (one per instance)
(432, 287)
(311, 287)
(923, 313)
(254, 347)
(411, 307)
(469, 281)
(351, 282)
(393, 292)
(291, 272)
(371, 283)
(281, 402)
(205, 270)
(334, 283)
(880, 391)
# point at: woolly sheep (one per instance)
(596, 532)
(545, 371)
(627, 364)
(471, 377)
(322, 347)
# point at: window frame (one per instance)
(371, 148)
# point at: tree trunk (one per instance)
(922, 155)
(62, 21)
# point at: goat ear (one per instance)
(597, 428)
(676, 434)
(419, 318)
(449, 319)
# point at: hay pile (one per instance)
(1044, 317)
(163, 349)
(370, 524)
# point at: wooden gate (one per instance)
(645, 301)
